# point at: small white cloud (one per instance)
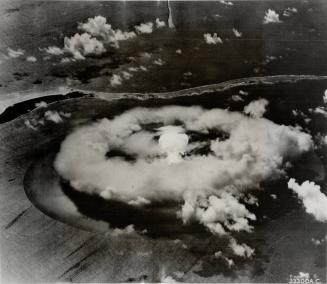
(320, 110)
(139, 201)
(15, 53)
(129, 230)
(41, 104)
(314, 201)
(54, 50)
(229, 261)
(273, 196)
(243, 93)
(66, 60)
(325, 97)
(30, 125)
(317, 242)
(237, 33)
(160, 24)
(53, 116)
(271, 17)
(242, 250)
(289, 11)
(133, 69)
(256, 108)
(83, 45)
(115, 80)
(159, 62)
(126, 75)
(237, 98)
(31, 59)
(212, 39)
(229, 3)
(166, 278)
(179, 51)
(143, 68)
(144, 28)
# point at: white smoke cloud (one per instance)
(271, 17)
(256, 108)
(144, 28)
(212, 39)
(208, 186)
(314, 201)
(83, 45)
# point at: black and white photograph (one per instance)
(163, 141)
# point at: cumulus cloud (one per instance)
(319, 110)
(31, 59)
(256, 108)
(54, 50)
(169, 165)
(243, 93)
(128, 230)
(237, 33)
(83, 45)
(98, 27)
(236, 98)
(289, 11)
(15, 53)
(229, 261)
(159, 62)
(115, 80)
(325, 97)
(53, 116)
(314, 201)
(144, 28)
(271, 17)
(229, 3)
(242, 250)
(41, 104)
(160, 24)
(212, 39)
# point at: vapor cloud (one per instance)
(167, 163)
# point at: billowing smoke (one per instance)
(206, 160)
